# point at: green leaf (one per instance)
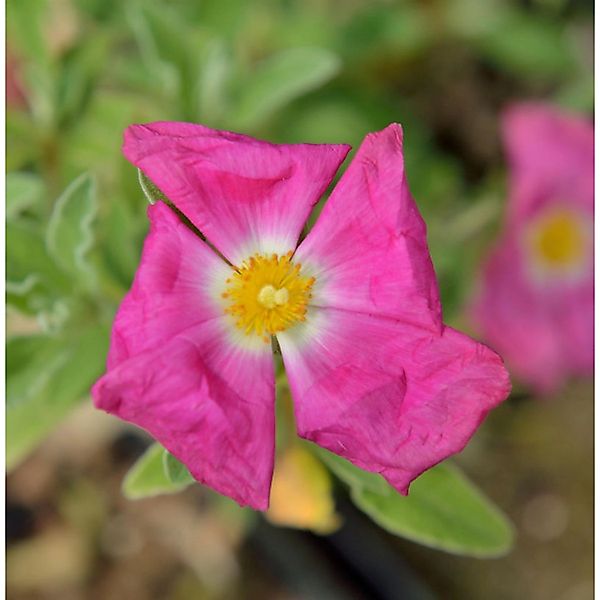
(46, 377)
(176, 472)
(212, 85)
(34, 283)
(78, 77)
(280, 79)
(527, 45)
(148, 476)
(353, 476)
(25, 23)
(23, 191)
(443, 510)
(120, 242)
(69, 236)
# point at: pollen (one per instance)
(268, 294)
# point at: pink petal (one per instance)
(175, 370)
(210, 405)
(245, 195)
(390, 397)
(368, 250)
(176, 287)
(551, 158)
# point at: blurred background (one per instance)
(78, 72)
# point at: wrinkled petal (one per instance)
(245, 195)
(368, 249)
(210, 405)
(390, 397)
(176, 286)
(551, 158)
(176, 369)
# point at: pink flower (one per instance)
(375, 375)
(536, 302)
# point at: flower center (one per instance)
(267, 294)
(558, 239)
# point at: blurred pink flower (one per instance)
(535, 306)
(375, 375)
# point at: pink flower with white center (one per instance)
(375, 375)
(536, 302)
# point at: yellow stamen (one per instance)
(268, 294)
(558, 239)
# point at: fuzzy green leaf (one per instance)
(176, 472)
(282, 78)
(23, 191)
(148, 476)
(69, 236)
(46, 377)
(443, 510)
(353, 476)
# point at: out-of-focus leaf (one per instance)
(69, 236)
(98, 133)
(25, 19)
(148, 476)
(212, 83)
(23, 191)
(78, 76)
(30, 362)
(443, 510)
(150, 48)
(46, 378)
(280, 79)
(22, 137)
(171, 51)
(34, 283)
(578, 95)
(353, 476)
(474, 18)
(120, 242)
(529, 46)
(176, 472)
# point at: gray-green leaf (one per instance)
(280, 79)
(176, 472)
(353, 476)
(46, 377)
(23, 191)
(443, 510)
(148, 476)
(69, 235)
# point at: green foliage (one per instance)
(280, 79)
(69, 235)
(529, 46)
(356, 478)
(49, 372)
(46, 377)
(442, 510)
(23, 192)
(177, 473)
(155, 473)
